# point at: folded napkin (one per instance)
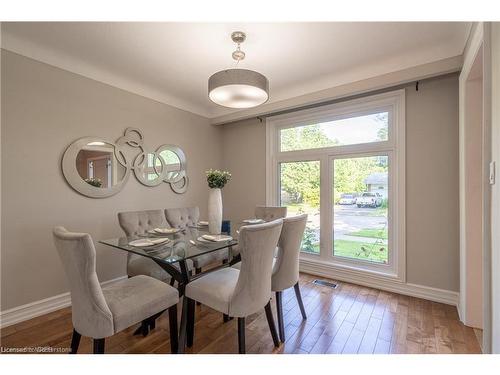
(159, 240)
(253, 221)
(166, 230)
(216, 238)
(148, 242)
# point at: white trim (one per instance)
(33, 309)
(394, 148)
(474, 44)
(379, 282)
(492, 97)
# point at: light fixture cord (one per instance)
(238, 60)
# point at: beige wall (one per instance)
(432, 179)
(44, 109)
(245, 157)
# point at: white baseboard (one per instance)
(44, 306)
(384, 283)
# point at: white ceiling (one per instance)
(171, 62)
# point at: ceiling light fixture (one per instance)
(238, 88)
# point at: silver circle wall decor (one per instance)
(98, 169)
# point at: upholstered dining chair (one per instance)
(269, 213)
(266, 213)
(135, 223)
(190, 216)
(286, 267)
(239, 293)
(102, 312)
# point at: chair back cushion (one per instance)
(134, 223)
(253, 289)
(286, 267)
(182, 217)
(139, 222)
(270, 213)
(90, 312)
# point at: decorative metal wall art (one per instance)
(98, 169)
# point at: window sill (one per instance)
(314, 264)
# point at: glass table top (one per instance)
(185, 244)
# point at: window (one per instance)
(299, 191)
(360, 226)
(344, 131)
(343, 165)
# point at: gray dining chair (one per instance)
(102, 312)
(266, 213)
(286, 267)
(239, 293)
(190, 216)
(136, 223)
(269, 213)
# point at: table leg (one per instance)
(184, 317)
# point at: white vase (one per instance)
(214, 211)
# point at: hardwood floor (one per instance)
(349, 319)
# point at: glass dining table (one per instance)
(171, 252)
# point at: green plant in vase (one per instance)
(216, 181)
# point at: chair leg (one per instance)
(190, 323)
(145, 327)
(241, 336)
(183, 326)
(279, 312)
(75, 342)
(197, 271)
(299, 300)
(98, 346)
(272, 327)
(172, 324)
(151, 321)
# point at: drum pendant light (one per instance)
(238, 88)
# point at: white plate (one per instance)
(253, 221)
(164, 230)
(219, 238)
(146, 242)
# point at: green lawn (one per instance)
(371, 233)
(361, 250)
(295, 209)
(356, 250)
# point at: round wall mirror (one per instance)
(172, 164)
(97, 165)
(91, 167)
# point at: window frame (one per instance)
(392, 102)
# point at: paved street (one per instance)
(350, 218)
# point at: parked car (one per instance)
(348, 198)
(369, 199)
